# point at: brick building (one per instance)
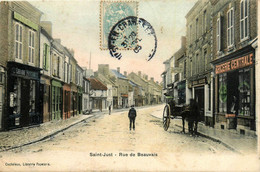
(234, 24)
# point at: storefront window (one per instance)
(32, 96)
(53, 99)
(17, 96)
(244, 92)
(222, 92)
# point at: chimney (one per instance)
(58, 40)
(157, 82)
(152, 79)
(146, 77)
(47, 25)
(118, 69)
(183, 41)
(71, 51)
(95, 74)
(125, 73)
(139, 73)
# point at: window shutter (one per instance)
(44, 56)
(47, 56)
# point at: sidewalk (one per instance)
(238, 143)
(24, 136)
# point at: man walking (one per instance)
(132, 116)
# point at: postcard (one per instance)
(129, 85)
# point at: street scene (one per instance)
(84, 146)
(136, 85)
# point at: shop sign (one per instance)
(56, 83)
(234, 64)
(200, 81)
(25, 21)
(30, 74)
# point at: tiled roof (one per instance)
(117, 74)
(96, 84)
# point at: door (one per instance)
(25, 91)
(199, 98)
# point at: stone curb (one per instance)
(215, 140)
(50, 135)
(210, 137)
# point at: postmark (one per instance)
(110, 13)
(124, 35)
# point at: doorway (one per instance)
(199, 98)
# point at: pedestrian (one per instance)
(109, 108)
(132, 116)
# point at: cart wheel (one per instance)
(166, 117)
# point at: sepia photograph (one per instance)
(129, 85)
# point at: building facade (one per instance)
(234, 33)
(20, 72)
(198, 51)
(45, 65)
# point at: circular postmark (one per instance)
(132, 33)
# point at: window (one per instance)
(31, 46)
(58, 66)
(191, 67)
(46, 53)
(190, 34)
(197, 29)
(32, 96)
(244, 92)
(230, 27)
(184, 70)
(205, 58)
(197, 64)
(66, 72)
(218, 34)
(244, 19)
(18, 40)
(222, 91)
(204, 21)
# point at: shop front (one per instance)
(45, 97)
(79, 100)
(198, 86)
(24, 105)
(2, 96)
(56, 97)
(235, 91)
(66, 101)
(73, 100)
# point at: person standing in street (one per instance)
(109, 108)
(132, 116)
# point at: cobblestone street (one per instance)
(105, 142)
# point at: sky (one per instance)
(77, 24)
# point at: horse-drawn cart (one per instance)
(172, 111)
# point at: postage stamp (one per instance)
(135, 34)
(110, 13)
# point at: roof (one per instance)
(132, 83)
(118, 75)
(96, 84)
(105, 79)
